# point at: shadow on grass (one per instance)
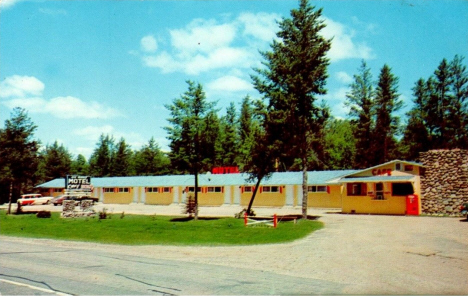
(186, 219)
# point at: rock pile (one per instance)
(85, 210)
(444, 185)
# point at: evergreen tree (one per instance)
(360, 99)
(150, 160)
(122, 161)
(416, 137)
(229, 138)
(458, 111)
(190, 148)
(247, 125)
(100, 161)
(18, 155)
(55, 162)
(387, 102)
(79, 166)
(340, 144)
(295, 73)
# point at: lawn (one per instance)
(153, 230)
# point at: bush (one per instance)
(190, 206)
(241, 214)
(43, 214)
(103, 214)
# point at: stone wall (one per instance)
(444, 185)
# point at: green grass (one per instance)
(152, 230)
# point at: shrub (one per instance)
(43, 214)
(241, 214)
(190, 206)
(103, 214)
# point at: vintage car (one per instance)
(34, 199)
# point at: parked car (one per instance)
(78, 198)
(34, 199)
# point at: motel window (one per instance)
(270, 189)
(192, 189)
(152, 189)
(248, 189)
(317, 188)
(214, 189)
(402, 189)
(166, 189)
(124, 189)
(108, 190)
(58, 189)
(357, 189)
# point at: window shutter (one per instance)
(364, 189)
(328, 189)
(261, 189)
(242, 189)
(281, 189)
(349, 189)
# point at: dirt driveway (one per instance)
(367, 254)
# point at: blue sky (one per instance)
(83, 68)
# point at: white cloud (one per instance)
(261, 26)
(71, 107)
(149, 44)
(336, 99)
(344, 45)
(27, 92)
(8, 3)
(230, 83)
(205, 45)
(93, 133)
(20, 86)
(202, 36)
(344, 77)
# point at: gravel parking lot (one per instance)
(367, 254)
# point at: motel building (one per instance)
(390, 188)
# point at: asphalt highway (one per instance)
(45, 268)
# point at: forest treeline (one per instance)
(286, 129)
(372, 134)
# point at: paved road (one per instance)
(47, 269)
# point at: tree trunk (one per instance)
(9, 197)
(305, 192)
(249, 208)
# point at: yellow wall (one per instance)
(324, 199)
(155, 198)
(265, 199)
(365, 204)
(210, 198)
(118, 198)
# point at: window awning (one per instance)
(378, 179)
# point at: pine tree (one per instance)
(294, 75)
(122, 160)
(360, 99)
(190, 148)
(101, 160)
(55, 162)
(387, 102)
(229, 137)
(150, 160)
(18, 154)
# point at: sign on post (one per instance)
(78, 183)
